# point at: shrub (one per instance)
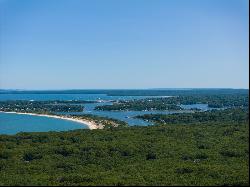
(184, 170)
(151, 156)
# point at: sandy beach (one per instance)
(91, 124)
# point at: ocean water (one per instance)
(203, 107)
(87, 97)
(9, 124)
(14, 123)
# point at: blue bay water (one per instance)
(87, 97)
(10, 124)
(14, 123)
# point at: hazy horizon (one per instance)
(61, 45)
(13, 89)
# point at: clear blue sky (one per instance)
(81, 44)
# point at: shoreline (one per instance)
(90, 124)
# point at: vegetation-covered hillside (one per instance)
(42, 106)
(228, 115)
(211, 153)
(229, 100)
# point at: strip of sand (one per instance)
(91, 124)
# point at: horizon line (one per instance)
(65, 89)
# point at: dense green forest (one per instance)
(139, 105)
(44, 107)
(229, 115)
(209, 153)
(197, 148)
(173, 103)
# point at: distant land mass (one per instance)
(133, 92)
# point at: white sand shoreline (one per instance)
(90, 124)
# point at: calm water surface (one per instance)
(87, 97)
(13, 123)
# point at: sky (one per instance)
(120, 44)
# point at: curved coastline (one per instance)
(90, 124)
